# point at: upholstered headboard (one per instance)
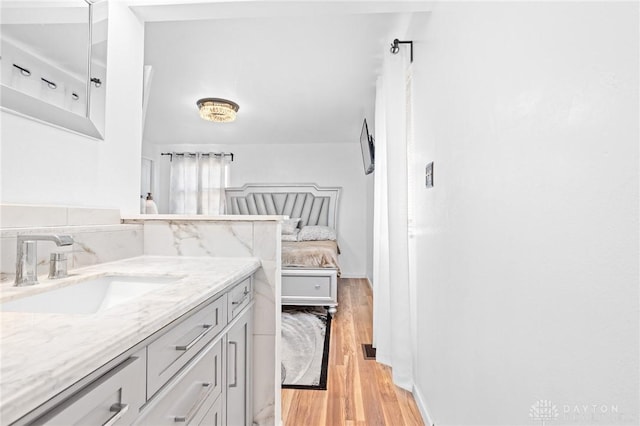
(314, 205)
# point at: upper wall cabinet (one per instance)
(54, 62)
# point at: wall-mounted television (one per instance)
(368, 149)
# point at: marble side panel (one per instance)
(244, 233)
(85, 216)
(24, 216)
(267, 247)
(266, 240)
(266, 330)
(216, 239)
(266, 402)
(267, 295)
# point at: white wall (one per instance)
(328, 164)
(528, 244)
(369, 231)
(42, 164)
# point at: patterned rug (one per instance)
(305, 347)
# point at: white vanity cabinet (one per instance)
(239, 384)
(171, 351)
(214, 387)
(113, 398)
(194, 371)
(213, 417)
(188, 397)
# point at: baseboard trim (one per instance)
(422, 406)
(359, 276)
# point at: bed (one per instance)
(310, 267)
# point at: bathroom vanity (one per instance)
(179, 352)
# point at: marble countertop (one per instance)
(42, 354)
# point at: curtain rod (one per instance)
(205, 154)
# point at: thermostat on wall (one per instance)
(429, 175)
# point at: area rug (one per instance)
(305, 347)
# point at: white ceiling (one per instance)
(306, 78)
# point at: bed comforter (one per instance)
(310, 254)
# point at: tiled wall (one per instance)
(37, 216)
(98, 235)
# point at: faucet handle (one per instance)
(57, 265)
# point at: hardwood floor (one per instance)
(359, 392)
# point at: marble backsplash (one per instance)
(92, 245)
(199, 238)
(98, 236)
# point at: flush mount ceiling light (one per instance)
(218, 110)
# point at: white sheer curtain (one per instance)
(197, 184)
(392, 304)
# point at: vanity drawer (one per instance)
(213, 417)
(239, 297)
(306, 286)
(176, 347)
(188, 398)
(113, 398)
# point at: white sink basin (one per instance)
(89, 296)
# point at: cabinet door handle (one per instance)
(235, 364)
(244, 297)
(207, 328)
(119, 410)
(202, 396)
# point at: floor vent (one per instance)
(368, 351)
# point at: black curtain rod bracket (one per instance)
(395, 46)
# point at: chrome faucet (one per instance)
(27, 257)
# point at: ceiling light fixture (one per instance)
(218, 110)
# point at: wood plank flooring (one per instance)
(359, 392)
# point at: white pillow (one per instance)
(289, 226)
(291, 237)
(317, 233)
